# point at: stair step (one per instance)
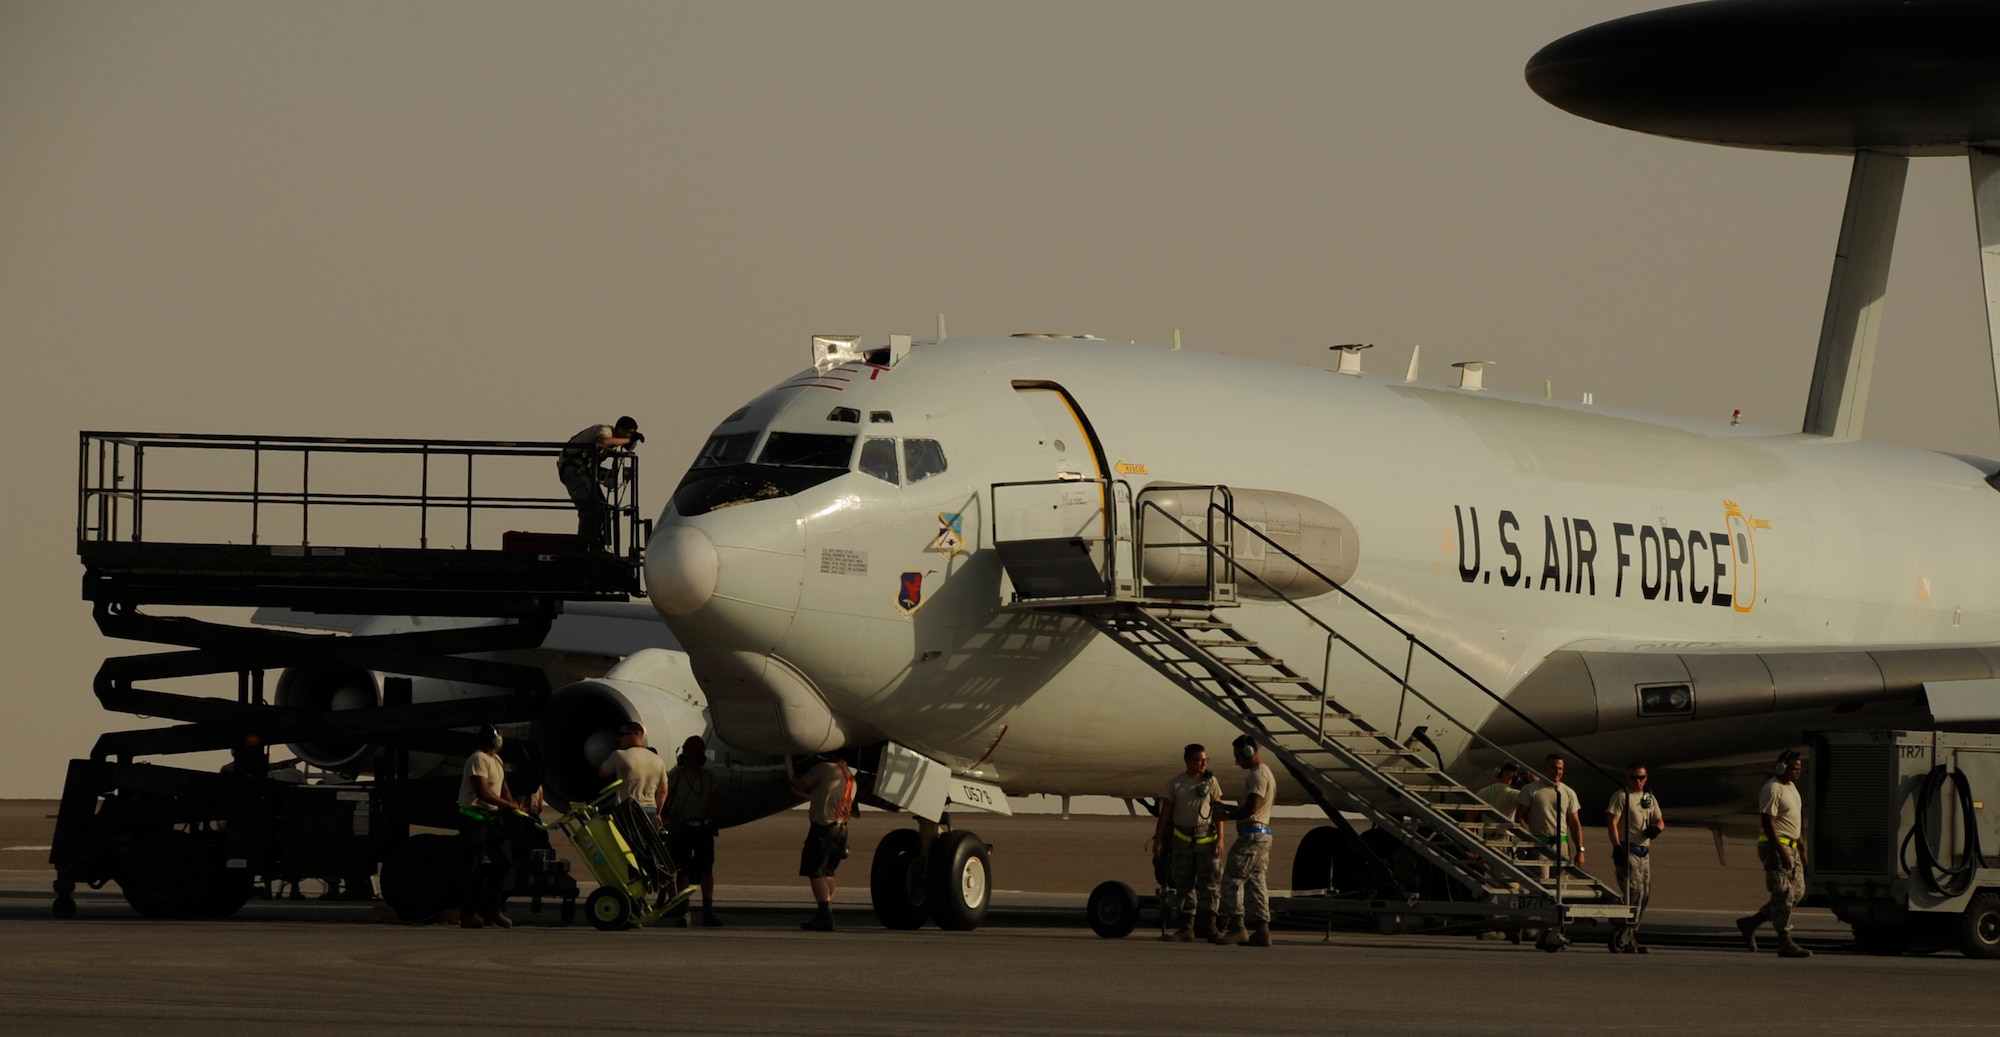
(1275, 680)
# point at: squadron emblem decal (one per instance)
(911, 597)
(950, 539)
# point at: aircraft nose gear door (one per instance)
(1075, 516)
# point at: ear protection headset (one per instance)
(1785, 760)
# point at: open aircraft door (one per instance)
(1053, 532)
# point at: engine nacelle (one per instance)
(339, 688)
(579, 730)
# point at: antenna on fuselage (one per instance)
(1882, 82)
(1350, 357)
(1411, 374)
(940, 334)
(1177, 340)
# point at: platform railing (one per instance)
(116, 494)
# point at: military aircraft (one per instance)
(912, 548)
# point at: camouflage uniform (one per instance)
(1190, 848)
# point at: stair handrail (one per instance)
(1229, 517)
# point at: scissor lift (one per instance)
(172, 524)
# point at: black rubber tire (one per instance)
(1112, 910)
(609, 909)
(961, 881)
(896, 881)
(172, 873)
(423, 877)
(64, 907)
(1552, 940)
(567, 913)
(1882, 940)
(1979, 927)
(1314, 865)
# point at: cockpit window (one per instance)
(922, 458)
(725, 450)
(807, 450)
(878, 458)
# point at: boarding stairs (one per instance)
(1348, 765)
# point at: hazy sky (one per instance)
(491, 220)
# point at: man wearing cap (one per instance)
(641, 797)
(689, 811)
(1782, 851)
(1245, 917)
(1633, 820)
(1189, 834)
(581, 467)
(482, 796)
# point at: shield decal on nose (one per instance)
(911, 597)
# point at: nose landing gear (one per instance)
(931, 873)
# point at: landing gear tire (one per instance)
(423, 877)
(897, 885)
(1113, 910)
(1882, 939)
(1314, 863)
(961, 881)
(173, 873)
(1979, 927)
(1552, 940)
(64, 907)
(609, 909)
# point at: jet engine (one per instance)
(654, 687)
(338, 688)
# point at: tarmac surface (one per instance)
(310, 966)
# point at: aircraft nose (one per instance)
(680, 570)
(730, 578)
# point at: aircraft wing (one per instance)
(615, 629)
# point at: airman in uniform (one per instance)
(1246, 899)
(1633, 820)
(1189, 834)
(1782, 851)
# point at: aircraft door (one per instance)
(1080, 512)
(1743, 570)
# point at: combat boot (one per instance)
(1185, 934)
(1788, 949)
(1747, 925)
(821, 922)
(1237, 936)
(1260, 938)
(1204, 926)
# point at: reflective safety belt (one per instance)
(1784, 839)
(1188, 836)
(846, 808)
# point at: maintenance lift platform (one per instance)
(1156, 571)
(342, 527)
